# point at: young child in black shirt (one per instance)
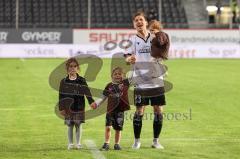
(72, 90)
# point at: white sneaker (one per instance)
(157, 145)
(70, 146)
(79, 146)
(136, 144)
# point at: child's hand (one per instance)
(153, 35)
(131, 59)
(93, 105)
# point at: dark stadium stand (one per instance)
(74, 13)
(52, 13)
(7, 13)
(173, 14)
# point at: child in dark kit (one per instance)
(117, 94)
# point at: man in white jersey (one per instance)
(148, 80)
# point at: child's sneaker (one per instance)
(70, 146)
(105, 147)
(117, 147)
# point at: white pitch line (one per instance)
(94, 150)
(22, 59)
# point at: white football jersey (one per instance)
(140, 47)
(146, 70)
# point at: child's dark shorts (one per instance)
(115, 119)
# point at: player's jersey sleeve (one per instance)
(106, 91)
(87, 91)
(61, 95)
(131, 48)
(60, 90)
(100, 100)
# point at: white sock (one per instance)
(137, 140)
(155, 140)
(78, 134)
(70, 134)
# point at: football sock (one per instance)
(78, 134)
(155, 140)
(157, 124)
(70, 134)
(137, 125)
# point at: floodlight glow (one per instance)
(211, 8)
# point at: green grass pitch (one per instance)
(209, 88)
